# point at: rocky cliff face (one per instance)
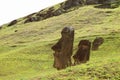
(63, 8)
(70, 3)
(44, 14)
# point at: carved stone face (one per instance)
(58, 61)
(83, 52)
(97, 42)
(63, 49)
(84, 44)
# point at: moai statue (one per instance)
(97, 42)
(64, 49)
(83, 53)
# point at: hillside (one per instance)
(25, 49)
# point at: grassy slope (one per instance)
(26, 54)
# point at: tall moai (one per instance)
(64, 49)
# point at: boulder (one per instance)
(30, 15)
(32, 19)
(58, 12)
(12, 23)
(89, 2)
(71, 3)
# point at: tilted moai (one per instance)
(97, 42)
(64, 49)
(83, 53)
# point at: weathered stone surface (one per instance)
(97, 42)
(106, 1)
(58, 12)
(32, 19)
(88, 2)
(99, 1)
(12, 23)
(71, 3)
(64, 49)
(83, 53)
(30, 15)
(63, 7)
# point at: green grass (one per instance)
(27, 54)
